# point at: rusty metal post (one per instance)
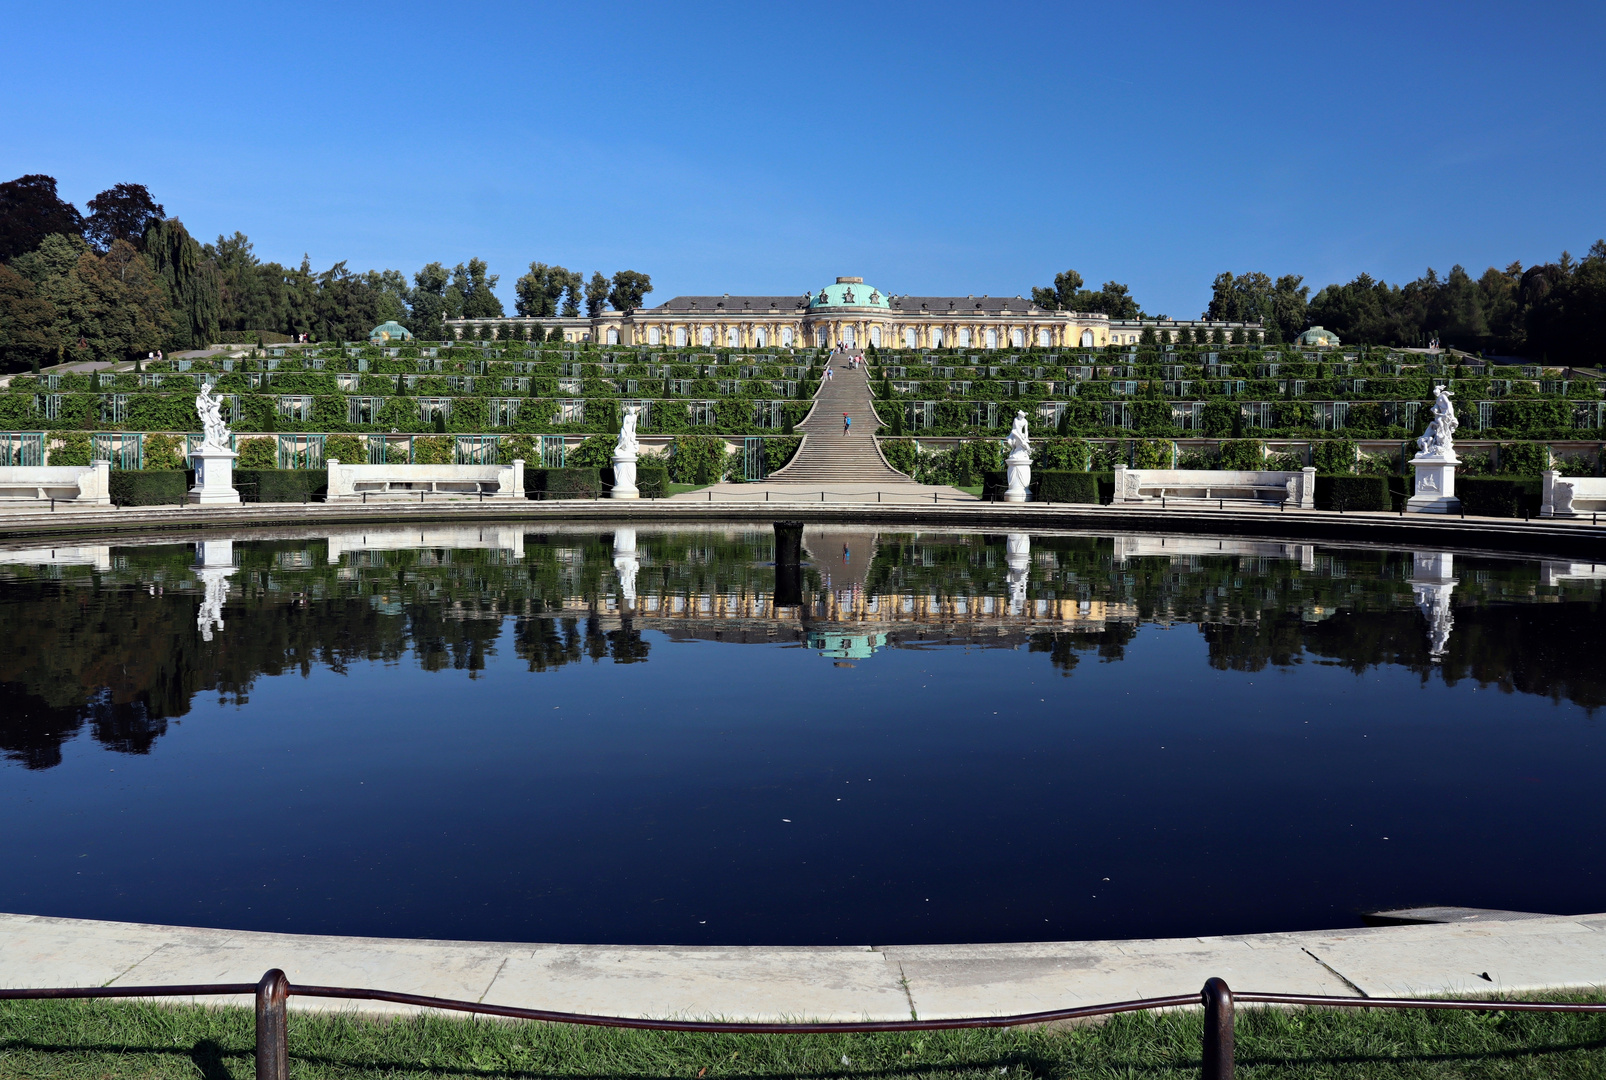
(1218, 1063)
(273, 1045)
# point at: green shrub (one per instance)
(1063, 455)
(1334, 456)
(75, 449)
(1064, 487)
(901, 454)
(281, 485)
(1152, 454)
(1243, 454)
(563, 483)
(257, 454)
(596, 452)
(777, 452)
(1349, 492)
(652, 481)
(1499, 496)
(994, 483)
(162, 452)
(1524, 459)
(130, 487)
(518, 448)
(346, 448)
(697, 459)
(433, 450)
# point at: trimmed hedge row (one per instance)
(651, 480)
(1346, 492)
(1054, 485)
(1499, 496)
(282, 485)
(157, 487)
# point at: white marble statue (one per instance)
(1439, 439)
(625, 452)
(1432, 582)
(209, 407)
(214, 565)
(1018, 557)
(626, 565)
(1019, 460)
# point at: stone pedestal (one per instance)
(624, 477)
(1435, 485)
(625, 563)
(1018, 557)
(1019, 466)
(1432, 582)
(214, 565)
(214, 478)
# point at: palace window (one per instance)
(786, 337)
(613, 336)
(936, 337)
(680, 337)
(760, 339)
(910, 339)
(732, 338)
(1087, 339)
(822, 338)
(655, 336)
(875, 336)
(1017, 339)
(964, 338)
(992, 339)
(706, 336)
(1043, 338)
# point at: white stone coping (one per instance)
(1571, 496)
(848, 982)
(1293, 489)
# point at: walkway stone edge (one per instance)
(818, 982)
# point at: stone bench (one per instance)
(1571, 496)
(1292, 489)
(82, 485)
(351, 483)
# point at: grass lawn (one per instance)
(96, 1041)
(678, 489)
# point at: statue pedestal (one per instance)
(624, 478)
(1435, 484)
(214, 478)
(1019, 466)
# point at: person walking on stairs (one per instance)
(847, 422)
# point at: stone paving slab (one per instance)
(829, 982)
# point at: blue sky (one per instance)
(759, 148)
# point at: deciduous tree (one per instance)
(124, 212)
(30, 210)
(629, 290)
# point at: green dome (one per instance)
(849, 292)
(390, 330)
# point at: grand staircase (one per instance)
(827, 456)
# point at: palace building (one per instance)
(853, 314)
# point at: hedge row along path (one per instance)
(827, 455)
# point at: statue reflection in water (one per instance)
(214, 565)
(1432, 582)
(1018, 557)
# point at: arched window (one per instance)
(706, 336)
(1087, 339)
(875, 336)
(909, 337)
(732, 338)
(786, 337)
(936, 337)
(1017, 339)
(847, 337)
(1043, 338)
(992, 338)
(655, 336)
(964, 338)
(822, 338)
(613, 336)
(680, 337)
(760, 339)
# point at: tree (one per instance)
(190, 280)
(28, 333)
(428, 309)
(471, 294)
(1063, 296)
(596, 294)
(629, 290)
(30, 210)
(1113, 300)
(124, 212)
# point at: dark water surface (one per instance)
(483, 733)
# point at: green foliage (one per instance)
(1524, 459)
(777, 452)
(652, 480)
(75, 449)
(282, 485)
(344, 448)
(1243, 454)
(164, 452)
(901, 454)
(1347, 492)
(433, 450)
(518, 447)
(259, 454)
(130, 487)
(595, 452)
(1499, 496)
(1052, 485)
(563, 483)
(697, 459)
(1152, 454)
(1334, 456)
(1063, 455)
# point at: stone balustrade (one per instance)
(1571, 496)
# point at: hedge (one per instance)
(1346, 491)
(1498, 496)
(281, 485)
(133, 487)
(563, 483)
(1056, 486)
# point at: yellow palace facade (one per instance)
(853, 315)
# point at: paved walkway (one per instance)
(776, 491)
(829, 456)
(828, 982)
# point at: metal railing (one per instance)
(274, 990)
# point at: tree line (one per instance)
(1553, 312)
(126, 280)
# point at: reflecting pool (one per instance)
(793, 735)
